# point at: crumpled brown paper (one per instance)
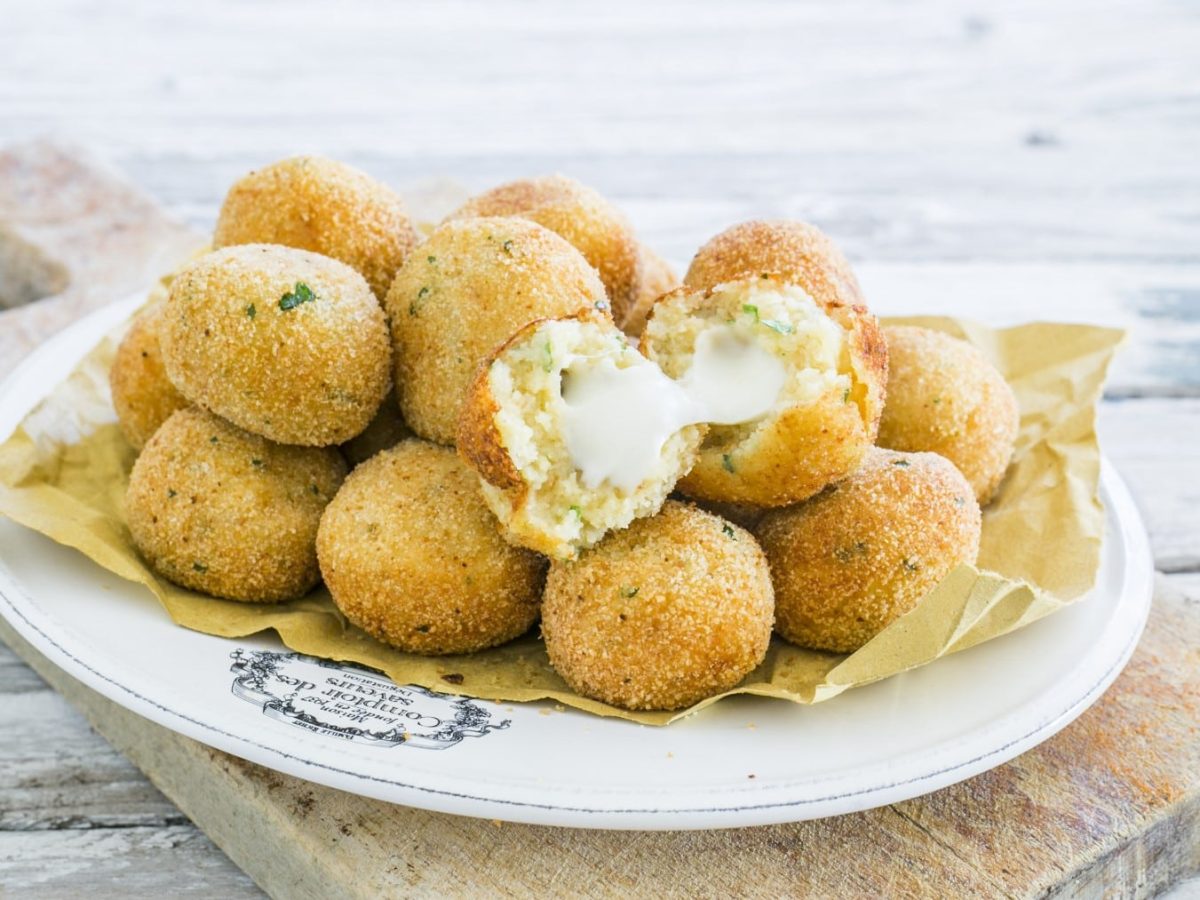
(65, 469)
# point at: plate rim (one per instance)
(1135, 595)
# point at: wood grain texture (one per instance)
(1003, 160)
(1108, 805)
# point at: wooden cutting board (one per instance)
(1111, 804)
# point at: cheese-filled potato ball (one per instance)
(411, 555)
(282, 342)
(658, 278)
(820, 367)
(518, 423)
(470, 287)
(142, 394)
(676, 608)
(796, 251)
(944, 396)
(591, 224)
(220, 510)
(318, 204)
(853, 559)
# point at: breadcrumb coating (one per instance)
(512, 433)
(658, 278)
(944, 396)
(282, 342)
(318, 204)
(798, 252)
(411, 555)
(591, 224)
(825, 418)
(473, 285)
(220, 510)
(385, 431)
(142, 394)
(671, 610)
(853, 559)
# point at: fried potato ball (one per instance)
(826, 414)
(411, 555)
(229, 513)
(282, 342)
(328, 207)
(385, 431)
(658, 278)
(853, 559)
(591, 224)
(142, 394)
(473, 284)
(944, 396)
(513, 433)
(798, 252)
(672, 610)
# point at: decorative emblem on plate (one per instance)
(346, 701)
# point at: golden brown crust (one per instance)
(220, 510)
(385, 431)
(672, 610)
(851, 560)
(947, 398)
(473, 284)
(142, 394)
(580, 215)
(799, 451)
(328, 207)
(797, 251)
(411, 554)
(282, 342)
(658, 278)
(478, 439)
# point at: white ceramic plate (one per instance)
(746, 761)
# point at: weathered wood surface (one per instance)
(1004, 162)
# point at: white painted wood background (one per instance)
(1003, 160)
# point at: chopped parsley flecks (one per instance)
(903, 463)
(415, 306)
(727, 530)
(845, 554)
(316, 490)
(431, 259)
(846, 395)
(213, 439)
(301, 293)
(911, 564)
(199, 567)
(764, 275)
(507, 246)
(251, 312)
(937, 400)
(578, 512)
(257, 463)
(727, 462)
(171, 492)
(629, 591)
(547, 357)
(751, 310)
(454, 678)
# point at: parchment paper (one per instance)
(64, 472)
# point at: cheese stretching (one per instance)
(617, 421)
(751, 393)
